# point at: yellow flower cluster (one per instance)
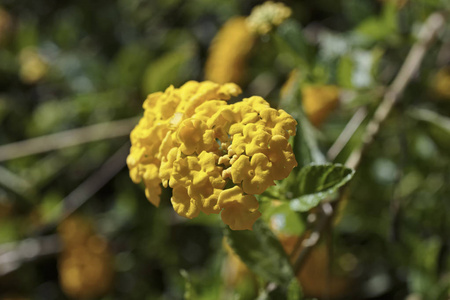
(266, 16)
(85, 265)
(228, 52)
(214, 155)
(234, 271)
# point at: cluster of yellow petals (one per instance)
(266, 16)
(228, 52)
(214, 155)
(85, 265)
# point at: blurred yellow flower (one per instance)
(228, 52)
(266, 16)
(441, 83)
(33, 66)
(234, 271)
(193, 141)
(85, 264)
(5, 24)
(316, 277)
(319, 101)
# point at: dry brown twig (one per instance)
(346, 134)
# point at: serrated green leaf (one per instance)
(319, 182)
(261, 251)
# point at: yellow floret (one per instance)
(254, 175)
(239, 211)
(281, 156)
(254, 139)
(195, 136)
(184, 205)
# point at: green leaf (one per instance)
(261, 251)
(294, 290)
(382, 27)
(305, 143)
(27, 33)
(306, 148)
(438, 126)
(289, 38)
(283, 219)
(129, 66)
(167, 70)
(319, 182)
(345, 72)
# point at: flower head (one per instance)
(85, 263)
(228, 52)
(193, 141)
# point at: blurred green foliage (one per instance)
(70, 64)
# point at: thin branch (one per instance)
(95, 182)
(434, 23)
(12, 255)
(346, 134)
(308, 244)
(67, 138)
(87, 189)
(15, 183)
(427, 35)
